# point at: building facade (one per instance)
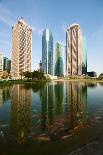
(92, 74)
(84, 56)
(47, 52)
(21, 48)
(1, 64)
(7, 64)
(59, 60)
(40, 67)
(74, 50)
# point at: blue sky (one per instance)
(56, 15)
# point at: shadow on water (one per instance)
(34, 86)
(92, 85)
(100, 83)
(5, 93)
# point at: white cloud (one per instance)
(37, 31)
(4, 10)
(5, 20)
(33, 29)
(6, 16)
(40, 31)
(64, 27)
(4, 42)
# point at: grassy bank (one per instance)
(80, 80)
(11, 82)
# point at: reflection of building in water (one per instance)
(4, 94)
(63, 106)
(59, 98)
(20, 113)
(47, 106)
(1, 97)
(77, 104)
(52, 105)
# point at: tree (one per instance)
(5, 74)
(38, 75)
(100, 76)
(27, 74)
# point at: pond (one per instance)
(50, 119)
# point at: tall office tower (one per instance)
(64, 57)
(84, 56)
(47, 52)
(7, 64)
(40, 66)
(74, 50)
(59, 60)
(1, 63)
(21, 48)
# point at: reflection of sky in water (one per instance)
(57, 109)
(36, 103)
(5, 114)
(95, 96)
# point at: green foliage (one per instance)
(100, 76)
(38, 75)
(34, 75)
(5, 74)
(36, 86)
(27, 74)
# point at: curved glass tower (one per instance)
(47, 52)
(59, 60)
(84, 56)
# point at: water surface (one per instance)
(52, 118)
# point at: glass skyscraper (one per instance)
(59, 60)
(84, 56)
(7, 64)
(47, 52)
(1, 63)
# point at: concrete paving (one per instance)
(93, 148)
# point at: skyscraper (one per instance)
(47, 52)
(21, 48)
(59, 60)
(40, 66)
(84, 56)
(1, 63)
(74, 50)
(64, 57)
(7, 64)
